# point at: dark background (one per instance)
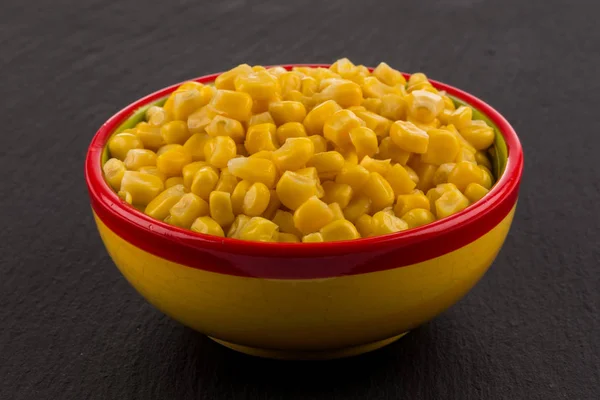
(72, 328)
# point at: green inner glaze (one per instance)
(498, 152)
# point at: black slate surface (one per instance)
(72, 328)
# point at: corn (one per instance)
(261, 118)
(400, 180)
(294, 189)
(259, 229)
(290, 130)
(435, 193)
(149, 135)
(175, 132)
(359, 205)
(261, 137)
(354, 109)
(226, 79)
(187, 210)
(344, 92)
(340, 229)
(315, 119)
(413, 175)
(154, 171)
(287, 111)
(388, 75)
(393, 107)
(312, 215)
(142, 187)
(238, 195)
(238, 223)
(417, 81)
(475, 192)
(267, 155)
(287, 238)
(461, 117)
(195, 146)
(388, 150)
(482, 160)
(353, 175)
(373, 87)
(186, 102)
(285, 221)
(157, 116)
(407, 202)
(449, 203)
(189, 171)
(465, 155)
(137, 158)
(487, 177)
(273, 206)
(159, 206)
(339, 193)
(379, 191)
(426, 173)
(364, 141)
(377, 123)
(373, 104)
(126, 197)
(208, 226)
(465, 173)
(223, 126)
(336, 210)
(236, 105)
(254, 170)
(169, 147)
(220, 208)
(171, 162)
(479, 134)
(114, 170)
(350, 157)
(382, 167)
(408, 137)
(227, 182)
(441, 173)
(289, 81)
(326, 163)
(204, 182)
(199, 120)
(338, 126)
(313, 238)
(308, 86)
(342, 66)
(424, 106)
(259, 85)
(364, 225)
(294, 154)
(443, 147)
(310, 172)
(120, 144)
(384, 222)
(319, 143)
(219, 150)
(418, 217)
(172, 181)
(256, 200)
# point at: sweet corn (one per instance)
(339, 193)
(149, 135)
(411, 172)
(290, 80)
(418, 217)
(309, 172)
(461, 117)
(479, 134)
(426, 173)
(382, 167)
(159, 206)
(199, 120)
(290, 130)
(294, 154)
(227, 182)
(483, 160)
(175, 132)
(449, 203)
(384, 222)
(354, 109)
(441, 173)
(256, 200)
(424, 106)
(287, 238)
(336, 210)
(353, 175)
(326, 163)
(267, 155)
(195, 146)
(364, 141)
(223, 126)
(137, 158)
(261, 137)
(399, 180)
(172, 181)
(114, 170)
(171, 162)
(157, 116)
(226, 80)
(204, 182)
(373, 87)
(168, 147)
(238, 223)
(379, 191)
(220, 208)
(285, 221)
(417, 81)
(186, 102)
(236, 105)
(350, 157)
(187, 210)
(273, 206)
(294, 189)
(261, 118)
(313, 238)
(287, 111)
(208, 226)
(259, 85)
(364, 225)
(316, 118)
(219, 150)
(487, 177)
(475, 192)
(319, 142)
(388, 150)
(120, 144)
(388, 75)
(238, 195)
(373, 104)
(338, 126)
(377, 123)
(466, 155)
(407, 202)
(309, 86)
(408, 137)
(344, 92)
(154, 171)
(464, 173)
(393, 107)
(142, 187)
(189, 171)
(312, 215)
(443, 147)
(435, 193)
(259, 229)
(253, 170)
(126, 197)
(340, 229)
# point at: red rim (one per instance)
(419, 244)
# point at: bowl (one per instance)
(306, 300)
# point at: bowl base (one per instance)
(309, 355)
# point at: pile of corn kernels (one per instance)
(307, 155)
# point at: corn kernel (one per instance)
(461, 117)
(312, 215)
(236, 105)
(377, 123)
(219, 150)
(408, 137)
(417, 81)
(315, 119)
(261, 137)
(195, 146)
(379, 191)
(373, 87)
(208, 226)
(120, 144)
(259, 85)
(220, 208)
(475, 192)
(171, 162)
(424, 106)
(149, 135)
(204, 182)
(261, 118)
(157, 116)
(407, 202)
(465, 173)
(353, 175)
(142, 187)
(400, 180)
(189, 171)
(326, 163)
(340, 229)
(227, 183)
(388, 150)
(267, 155)
(290, 130)
(344, 92)
(319, 142)
(287, 238)
(175, 132)
(294, 154)
(338, 126)
(388, 75)
(483, 160)
(443, 147)
(315, 237)
(350, 157)
(290, 80)
(172, 181)
(186, 210)
(186, 102)
(373, 104)
(359, 205)
(199, 120)
(223, 126)
(126, 197)
(426, 173)
(226, 79)
(114, 170)
(294, 189)
(441, 173)
(310, 172)
(393, 107)
(364, 225)
(382, 167)
(487, 177)
(336, 210)
(154, 171)
(273, 206)
(285, 221)
(308, 86)
(364, 141)
(238, 195)
(238, 223)
(159, 206)
(479, 134)
(435, 193)
(418, 217)
(411, 172)
(466, 155)
(137, 158)
(169, 147)
(339, 193)
(256, 199)
(287, 111)
(259, 229)
(449, 203)
(448, 103)
(384, 222)
(254, 170)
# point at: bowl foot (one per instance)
(309, 355)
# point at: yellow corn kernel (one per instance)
(173, 181)
(466, 155)
(259, 229)
(256, 199)
(382, 167)
(417, 81)
(195, 146)
(350, 157)
(377, 123)
(373, 87)
(359, 205)
(418, 217)
(435, 193)
(461, 117)
(465, 173)
(190, 85)
(336, 210)
(393, 107)
(154, 171)
(208, 226)
(424, 106)
(114, 170)
(199, 120)
(259, 85)
(326, 163)
(413, 175)
(379, 191)
(373, 104)
(426, 173)
(443, 147)
(293, 95)
(159, 206)
(287, 238)
(261, 118)
(287, 111)
(227, 182)
(238, 223)
(290, 80)
(407, 202)
(175, 132)
(483, 160)
(344, 92)
(290, 130)
(341, 66)
(364, 225)
(238, 195)
(487, 177)
(120, 144)
(384, 222)
(171, 162)
(169, 147)
(273, 206)
(319, 142)
(205, 180)
(257, 68)
(441, 173)
(294, 189)
(310, 172)
(364, 141)
(186, 102)
(449, 203)
(338, 126)
(219, 150)
(220, 208)
(312, 215)
(189, 171)
(294, 154)
(315, 119)
(142, 187)
(149, 135)
(261, 137)
(424, 126)
(309, 86)
(448, 103)
(186, 210)
(226, 80)
(354, 109)
(285, 221)
(315, 237)
(353, 175)
(137, 158)
(340, 229)
(254, 170)
(408, 137)
(400, 180)
(444, 116)
(388, 75)
(475, 192)
(236, 105)
(339, 193)
(479, 134)
(267, 155)
(126, 197)
(388, 150)
(223, 126)
(157, 116)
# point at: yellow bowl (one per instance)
(307, 300)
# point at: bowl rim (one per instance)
(451, 232)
